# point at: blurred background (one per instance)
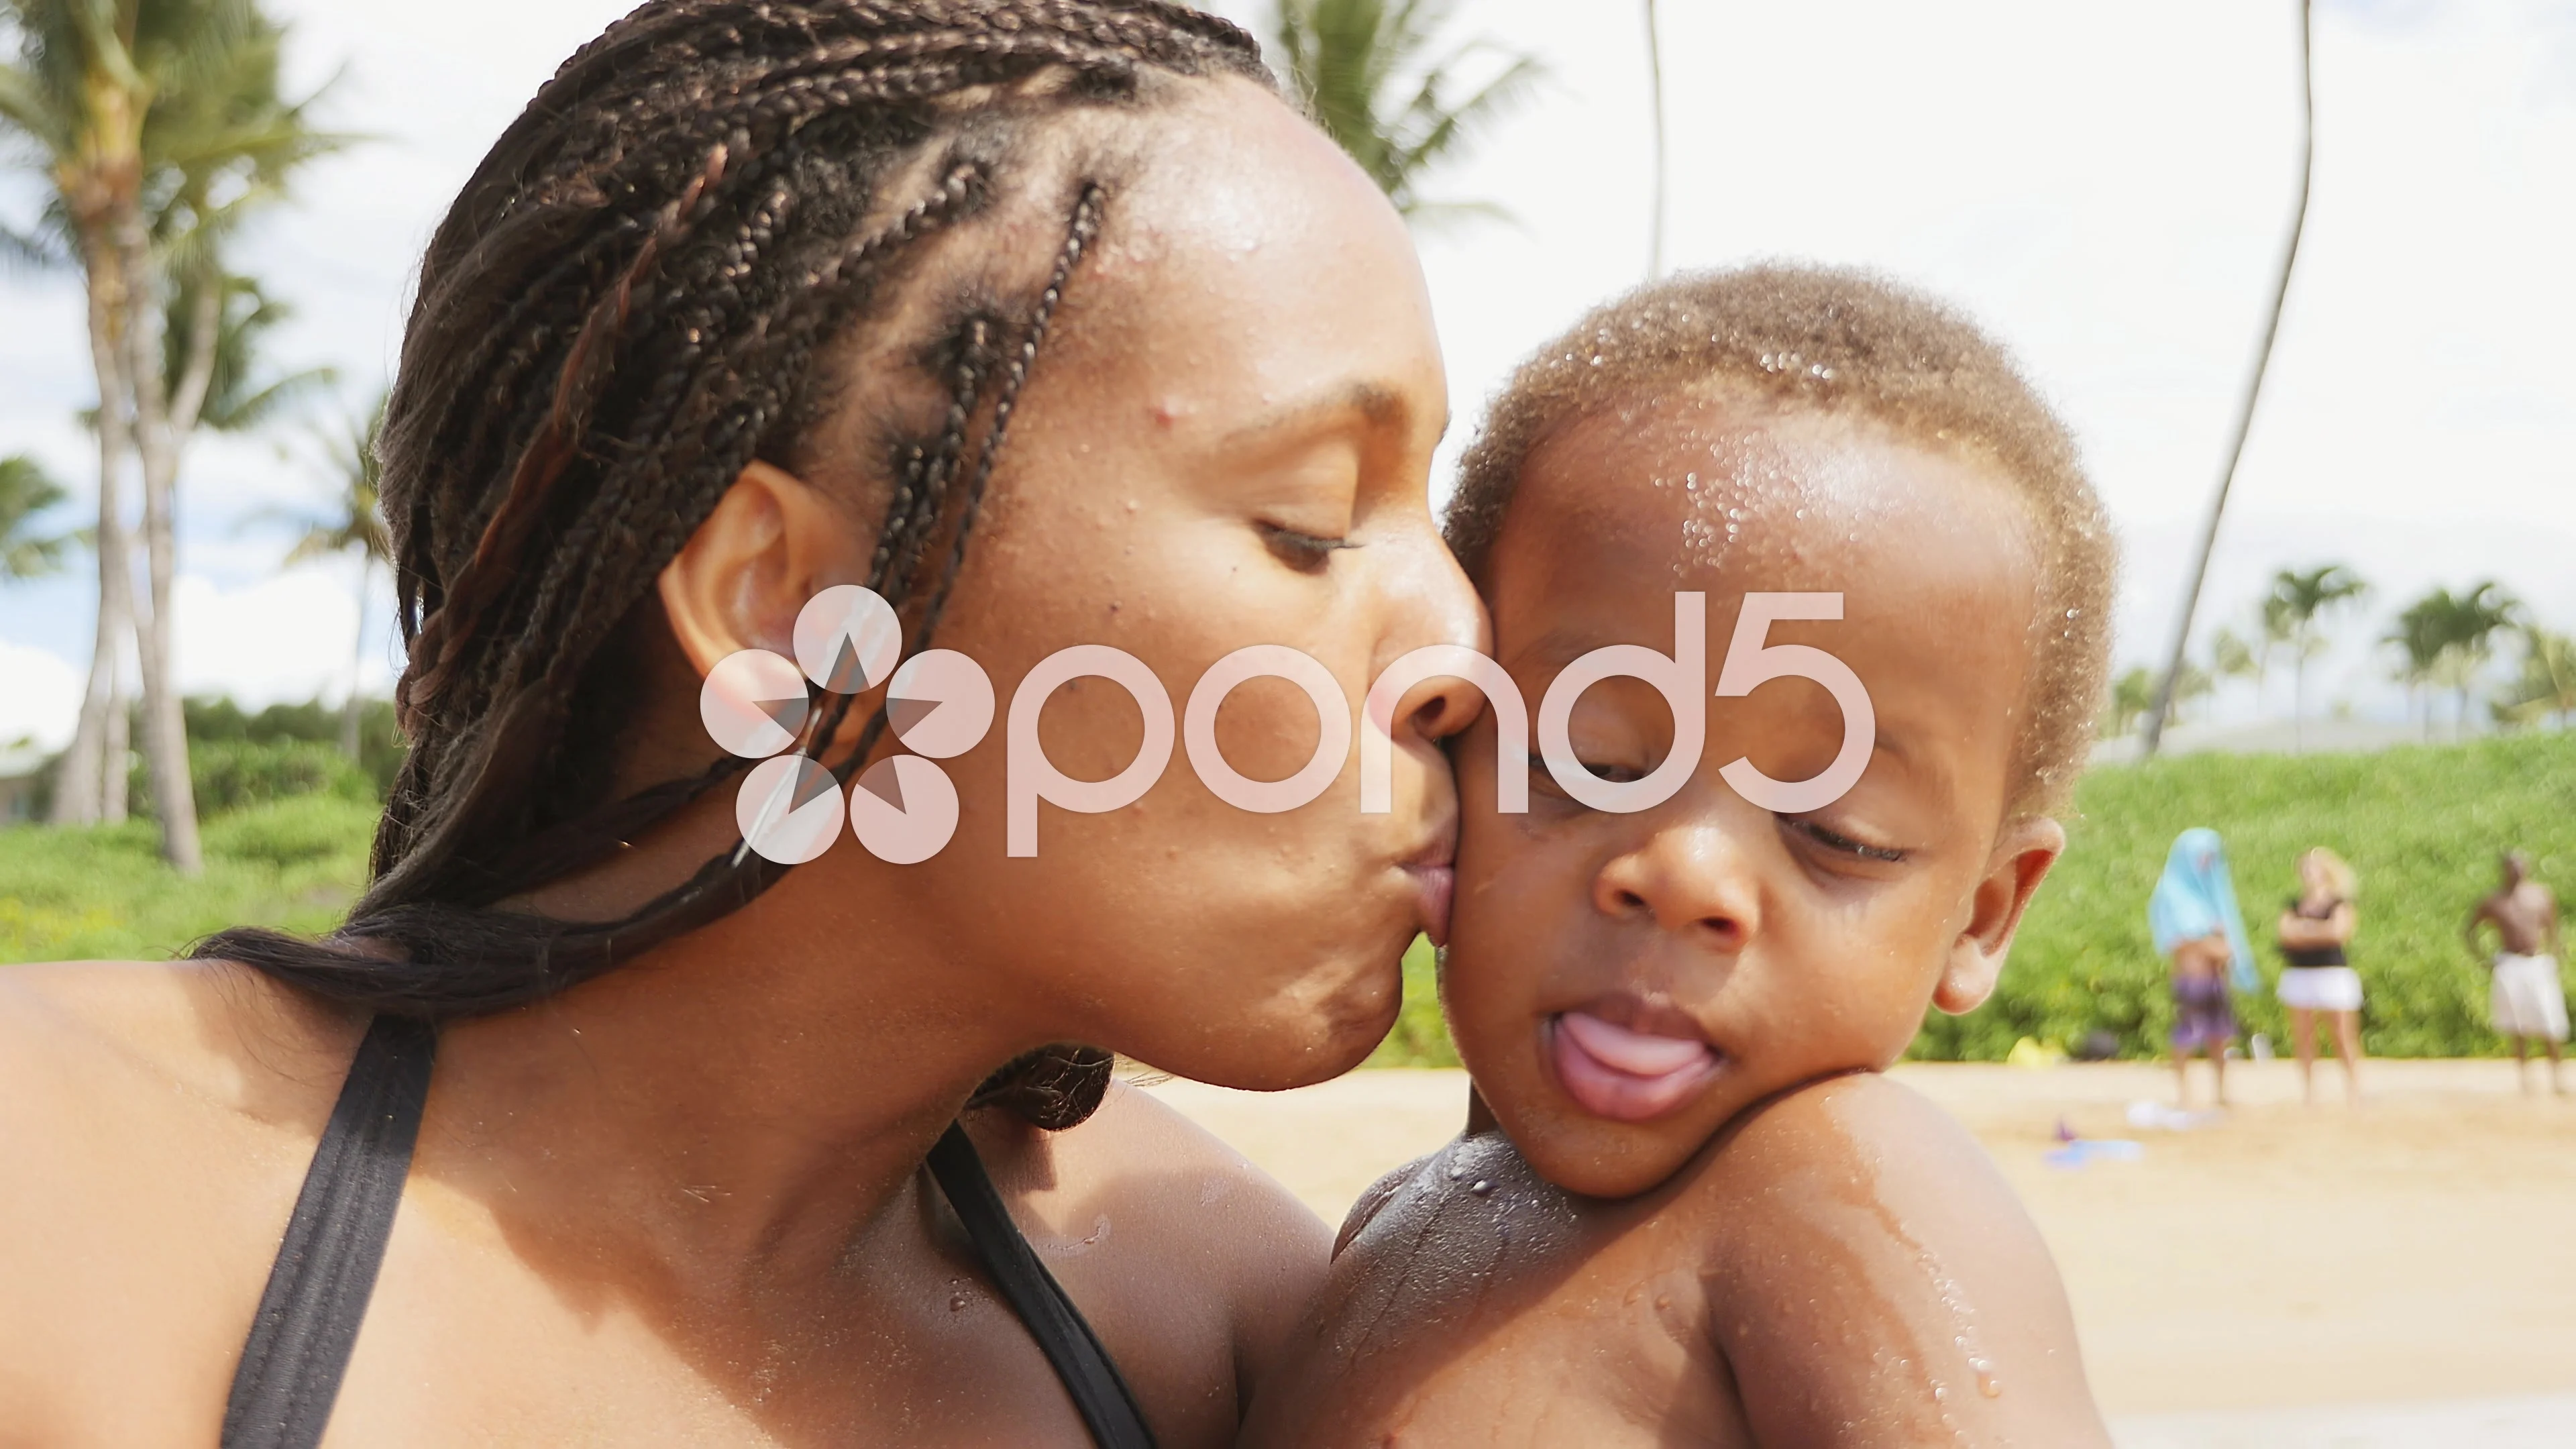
(2377, 656)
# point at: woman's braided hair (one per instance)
(634, 298)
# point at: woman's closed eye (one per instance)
(1841, 844)
(1304, 552)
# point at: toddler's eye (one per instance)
(1544, 781)
(1304, 552)
(1843, 844)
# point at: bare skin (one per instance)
(2524, 915)
(2206, 958)
(683, 1203)
(2308, 933)
(1792, 1250)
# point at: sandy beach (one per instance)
(2404, 1273)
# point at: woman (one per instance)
(2194, 919)
(2314, 929)
(1051, 322)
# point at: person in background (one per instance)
(2196, 924)
(2314, 929)
(2525, 1000)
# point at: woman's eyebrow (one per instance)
(1377, 404)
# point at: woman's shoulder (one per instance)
(206, 1033)
(154, 1118)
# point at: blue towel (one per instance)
(2196, 898)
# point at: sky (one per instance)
(2106, 188)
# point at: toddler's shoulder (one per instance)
(1829, 1136)
(1854, 1217)
(1861, 1151)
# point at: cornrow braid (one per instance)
(626, 306)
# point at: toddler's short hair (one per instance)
(1839, 341)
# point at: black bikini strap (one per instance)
(326, 1269)
(1101, 1396)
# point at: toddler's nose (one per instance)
(1689, 880)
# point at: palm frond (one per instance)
(26, 491)
(31, 251)
(1372, 77)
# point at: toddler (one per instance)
(1687, 1208)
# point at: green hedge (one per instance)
(2422, 826)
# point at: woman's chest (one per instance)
(473, 1339)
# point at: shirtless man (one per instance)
(2526, 1002)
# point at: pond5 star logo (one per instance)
(903, 809)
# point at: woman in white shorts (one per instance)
(2314, 931)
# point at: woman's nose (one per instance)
(1689, 880)
(1432, 603)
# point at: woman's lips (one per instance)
(1624, 1075)
(1438, 885)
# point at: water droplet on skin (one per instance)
(1456, 1171)
(956, 1302)
(1987, 1383)
(1480, 1187)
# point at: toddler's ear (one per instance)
(2022, 856)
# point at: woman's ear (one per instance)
(2022, 856)
(772, 543)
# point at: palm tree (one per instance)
(2232, 657)
(221, 365)
(2449, 637)
(2254, 384)
(1368, 71)
(354, 525)
(2419, 635)
(2472, 621)
(2548, 683)
(2132, 695)
(25, 491)
(2298, 598)
(156, 127)
(1663, 173)
(2278, 628)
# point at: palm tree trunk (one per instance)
(112, 784)
(357, 661)
(1655, 92)
(197, 374)
(2299, 701)
(2254, 385)
(165, 740)
(80, 794)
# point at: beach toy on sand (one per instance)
(2085, 1151)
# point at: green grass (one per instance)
(104, 893)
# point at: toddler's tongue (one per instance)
(1627, 1076)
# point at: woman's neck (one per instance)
(742, 1103)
